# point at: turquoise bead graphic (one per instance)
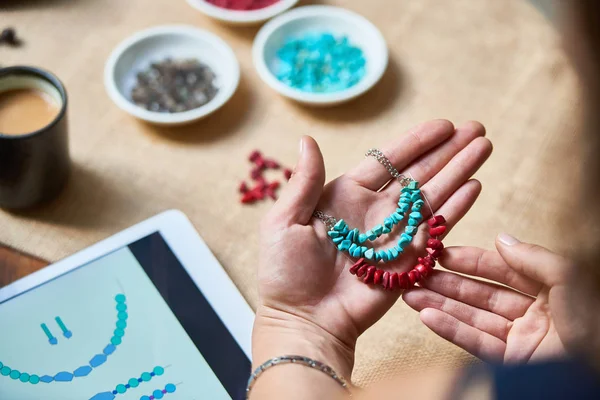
(80, 372)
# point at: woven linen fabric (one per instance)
(499, 62)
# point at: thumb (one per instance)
(300, 196)
(532, 260)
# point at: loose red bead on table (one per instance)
(386, 280)
(437, 231)
(403, 281)
(378, 277)
(287, 173)
(255, 155)
(362, 270)
(243, 187)
(393, 284)
(272, 164)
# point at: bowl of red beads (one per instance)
(242, 12)
(320, 55)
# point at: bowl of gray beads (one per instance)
(171, 75)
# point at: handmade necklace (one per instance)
(352, 241)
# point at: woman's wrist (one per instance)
(277, 333)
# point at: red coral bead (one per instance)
(435, 244)
(287, 173)
(378, 277)
(426, 261)
(393, 281)
(271, 193)
(272, 164)
(414, 276)
(434, 253)
(369, 275)
(403, 280)
(243, 187)
(386, 280)
(436, 220)
(255, 173)
(261, 164)
(362, 270)
(356, 266)
(412, 279)
(437, 231)
(423, 270)
(274, 185)
(248, 197)
(255, 155)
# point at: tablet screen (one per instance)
(129, 325)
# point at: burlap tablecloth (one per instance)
(495, 61)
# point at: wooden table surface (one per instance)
(15, 265)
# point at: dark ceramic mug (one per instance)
(34, 167)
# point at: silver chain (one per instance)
(330, 221)
(383, 160)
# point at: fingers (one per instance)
(486, 296)
(532, 260)
(459, 203)
(426, 166)
(372, 175)
(495, 325)
(488, 265)
(457, 171)
(300, 196)
(476, 342)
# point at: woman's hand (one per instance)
(309, 303)
(519, 323)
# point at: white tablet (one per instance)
(146, 314)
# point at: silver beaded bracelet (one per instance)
(294, 360)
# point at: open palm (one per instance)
(521, 320)
(303, 275)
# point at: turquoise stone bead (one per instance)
(403, 207)
(388, 223)
(406, 236)
(415, 196)
(394, 219)
(391, 256)
(406, 189)
(398, 216)
(386, 230)
(413, 222)
(340, 225)
(418, 203)
(403, 242)
(377, 230)
(333, 234)
(350, 236)
(411, 230)
(369, 254)
(383, 255)
(376, 256)
(415, 215)
(394, 252)
(356, 253)
(338, 239)
(416, 207)
(413, 185)
(345, 245)
(400, 249)
(363, 249)
(353, 247)
(362, 238)
(404, 200)
(371, 235)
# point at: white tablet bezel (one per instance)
(189, 248)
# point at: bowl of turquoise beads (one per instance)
(320, 55)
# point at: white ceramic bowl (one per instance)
(237, 17)
(176, 41)
(304, 20)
